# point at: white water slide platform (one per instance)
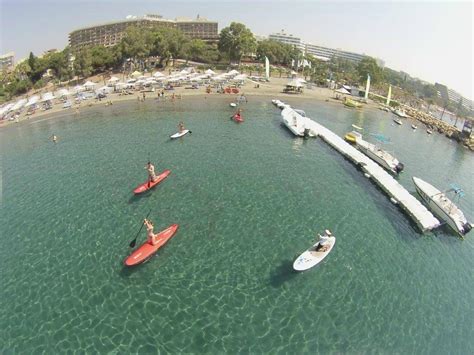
(422, 217)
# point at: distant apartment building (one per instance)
(7, 61)
(283, 37)
(200, 28)
(454, 97)
(320, 52)
(110, 34)
(328, 53)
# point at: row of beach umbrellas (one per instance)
(114, 82)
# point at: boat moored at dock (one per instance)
(442, 206)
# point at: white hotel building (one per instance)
(320, 52)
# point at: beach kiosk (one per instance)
(294, 87)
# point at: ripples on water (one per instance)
(249, 198)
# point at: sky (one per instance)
(432, 41)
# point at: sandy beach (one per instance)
(272, 89)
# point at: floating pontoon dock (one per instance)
(398, 194)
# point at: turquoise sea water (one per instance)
(248, 198)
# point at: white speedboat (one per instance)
(397, 121)
(442, 206)
(414, 126)
(400, 113)
(295, 122)
(380, 156)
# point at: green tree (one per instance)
(194, 49)
(102, 58)
(369, 66)
(83, 63)
(134, 44)
(59, 64)
(236, 41)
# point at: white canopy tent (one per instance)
(209, 72)
(240, 77)
(158, 75)
(120, 86)
(62, 92)
(32, 101)
(19, 104)
(77, 88)
(233, 72)
(47, 97)
(343, 91)
(136, 74)
(105, 90)
(89, 85)
(295, 83)
(5, 109)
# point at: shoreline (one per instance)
(272, 90)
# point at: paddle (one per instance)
(134, 241)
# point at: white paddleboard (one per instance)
(179, 134)
(357, 127)
(311, 257)
(232, 104)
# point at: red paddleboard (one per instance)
(146, 250)
(144, 187)
(238, 118)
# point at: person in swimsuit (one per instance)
(151, 172)
(151, 237)
(323, 240)
(181, 127)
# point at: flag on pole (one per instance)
(267, 68)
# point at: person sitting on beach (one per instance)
(151, 172)
(324, 242)
(181, 127)
(151, 237)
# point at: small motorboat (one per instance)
(397, 121)
(414, 126)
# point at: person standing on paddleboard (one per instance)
(151, 237)
(181, 127)
(151, 172)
